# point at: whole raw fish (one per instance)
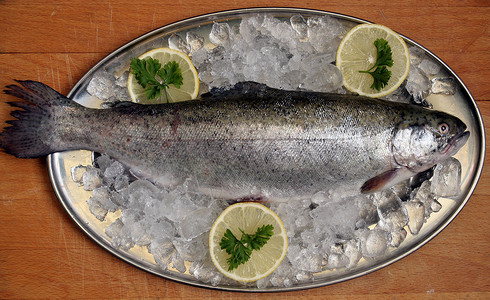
(246, 142)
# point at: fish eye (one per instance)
(443, 128)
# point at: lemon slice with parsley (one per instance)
(187, 89)
(246, 225)
(362, 59)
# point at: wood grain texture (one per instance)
(43, 254)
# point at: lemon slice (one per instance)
(248, 216)
(357, 52)
(187, 91)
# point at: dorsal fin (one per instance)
(241, 89)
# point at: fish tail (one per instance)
(29, 136)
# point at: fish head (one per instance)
(425, 139)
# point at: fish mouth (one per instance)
(456, 143)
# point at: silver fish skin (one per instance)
(250, 141)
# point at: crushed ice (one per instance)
(328, 231)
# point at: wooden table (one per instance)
(44, 255)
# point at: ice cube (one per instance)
(424, 195)
(122, 240)
(373, 242)
(114, 229)
(306, 259)
(141, 187)
(322, 77)
(303, 276)
(336, 261)
(402, 189)
(445, 86)
(418, 84)
(114, 170)
(122, 81)
(192, 250)
(103, 162)
(249, 27)
(287, 282)
(415, 211)
(340, 218)
(176, 42)
(416, 55)
(277, 281)
(235, 32)
(195, 41)
(320, 198)
(397, 237)
(91, 179)
(391, 215)
(101, 85)
(161, 228)
(120, 94)
(217, 278)
(119, 198)
(196, 222)
(344, 254)
(324, 33)
(300, 205)
(121, 182)
(102, 196)
(303, 221)
(205, 75)
(429, 67)
(161, 249)
(139, 233)
(220, 33)
(446, 181)
(77, 173)
(435, 206)
(141, 195)
(311, 237)
(352, 252)
(299, 25)
(199, 57)
(337, 247)
(263, 282)
(399, 95)
(280, 30)
(282, 276)
(129, 216)
(205, 271)
(288, 219)
(177, 205)
(178, 262)
(368, 212)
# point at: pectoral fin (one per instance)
(385, 180)
(162, 180)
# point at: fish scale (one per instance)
(246, 141)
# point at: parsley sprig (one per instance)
(155, 79)
(384, 59)
(240, 250)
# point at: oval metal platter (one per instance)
(74, 198)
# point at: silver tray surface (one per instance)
(73, 198)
